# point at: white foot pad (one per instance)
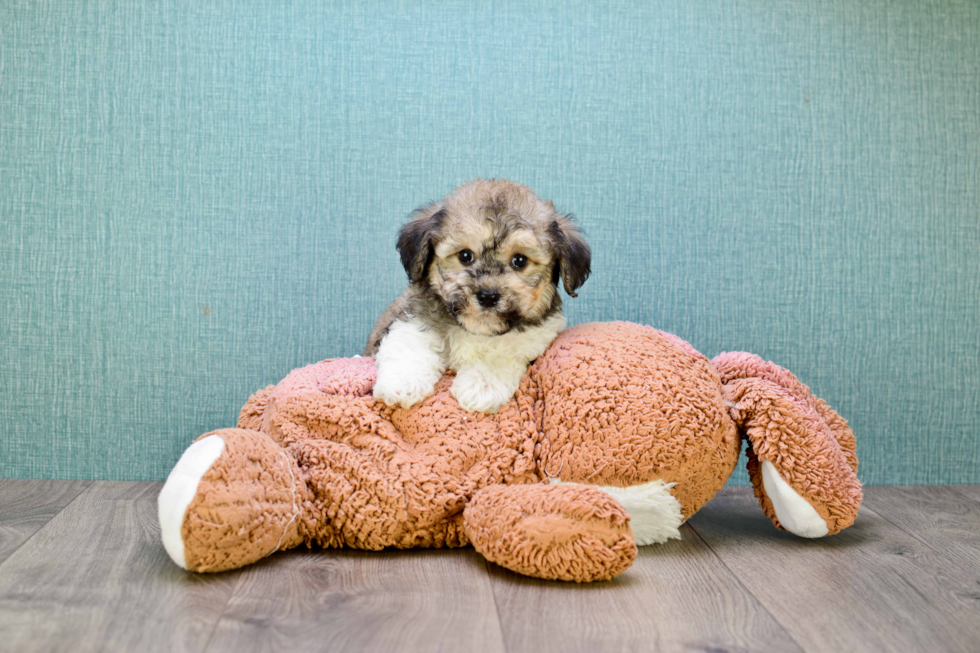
(179, 491)
(793, 511)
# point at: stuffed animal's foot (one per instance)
(233, 498)
(180, 489)
(557, 532)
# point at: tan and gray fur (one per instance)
(484, 262)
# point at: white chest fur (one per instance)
(515, 347)
(489, 369)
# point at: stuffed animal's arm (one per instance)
(802, 456)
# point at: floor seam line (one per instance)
(956, 490)
(921, 541)
(55, 515)
(738, 580)
(496, 608)
(224, 611)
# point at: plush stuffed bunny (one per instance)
(618, 433)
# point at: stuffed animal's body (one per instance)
(617, 434)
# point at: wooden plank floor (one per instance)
(82, 569)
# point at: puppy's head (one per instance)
(492, 253)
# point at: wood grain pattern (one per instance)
(27, 505)
(939, 517)
(872, 587)
(676, 597)
(969, 491)
(97, 578)
(343, 600)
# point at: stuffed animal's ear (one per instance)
(574, 256)
(417, 238)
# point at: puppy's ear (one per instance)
(574, 256)
(416, 240)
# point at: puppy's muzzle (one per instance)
(487, 298)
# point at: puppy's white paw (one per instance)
(406, 390)
(479, 391)
(409, 363)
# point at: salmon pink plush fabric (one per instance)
(318, 461)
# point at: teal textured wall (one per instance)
(196, 198)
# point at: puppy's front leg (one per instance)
(485, 388)
(409, 362)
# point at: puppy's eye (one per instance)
(519, 261)
(466, 257)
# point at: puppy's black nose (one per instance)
(487, 298)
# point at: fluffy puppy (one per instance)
(483, 267)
